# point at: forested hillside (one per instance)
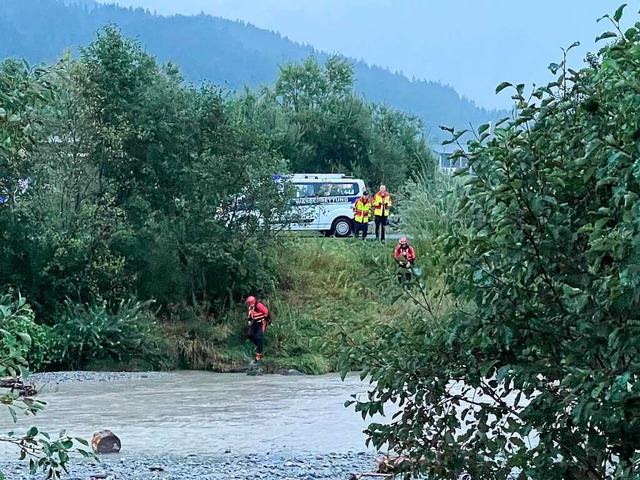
(224, 52)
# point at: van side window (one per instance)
(340, 189)
(304, 190)
(323, 189)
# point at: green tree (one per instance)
(128, 172)
(332, 129)
(535, 371)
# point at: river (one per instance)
(207, 413)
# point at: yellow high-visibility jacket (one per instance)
(362, 210)
(381, 204)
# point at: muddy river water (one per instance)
(207, 413)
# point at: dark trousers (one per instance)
(256, 335)
(404, 273)
(381, 223)
(360, 227)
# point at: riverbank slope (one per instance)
(327, 288)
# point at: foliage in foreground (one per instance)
(535, 372)
(45, 453)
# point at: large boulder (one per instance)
(105, 441)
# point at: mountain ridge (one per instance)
(40, 30)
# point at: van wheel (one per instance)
(342, 227)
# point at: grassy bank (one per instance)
(327, 288)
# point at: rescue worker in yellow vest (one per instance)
(361, 213)
(381, 210)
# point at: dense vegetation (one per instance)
(514, 348)
(524, 359)
(113, 173)
(224, 52)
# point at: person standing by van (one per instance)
(381, 210)
(258, 316)
(361, 212)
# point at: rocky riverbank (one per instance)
(261, 466)
(82, 376)
(57, 378)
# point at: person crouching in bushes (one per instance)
(405, 255)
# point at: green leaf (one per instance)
(517, 441)
(573, 45)
(25, 338)
(502, 86)
(32, 432)
(606, 35)
(595, 393)
(618, 14)
(631, 34)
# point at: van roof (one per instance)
(319, 176)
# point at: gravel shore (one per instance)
(239, 467)
(80, 376)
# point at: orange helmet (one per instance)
(403, 241)
(250, 300)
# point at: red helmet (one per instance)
(403, 241)
(250, 300)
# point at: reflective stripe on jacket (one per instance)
(362, 210)
(381, 204)
(258, 312)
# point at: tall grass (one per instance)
(326, 288)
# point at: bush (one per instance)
(43, 347)
(537, 373)
(126, 336)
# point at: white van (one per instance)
(324, 202)
(320, 202)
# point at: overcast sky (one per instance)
(469, 44)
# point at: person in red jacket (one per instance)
(259, 317)
(405, 255)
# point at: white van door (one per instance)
(305, 208)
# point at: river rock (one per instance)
(105, 441)
(255, 369)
